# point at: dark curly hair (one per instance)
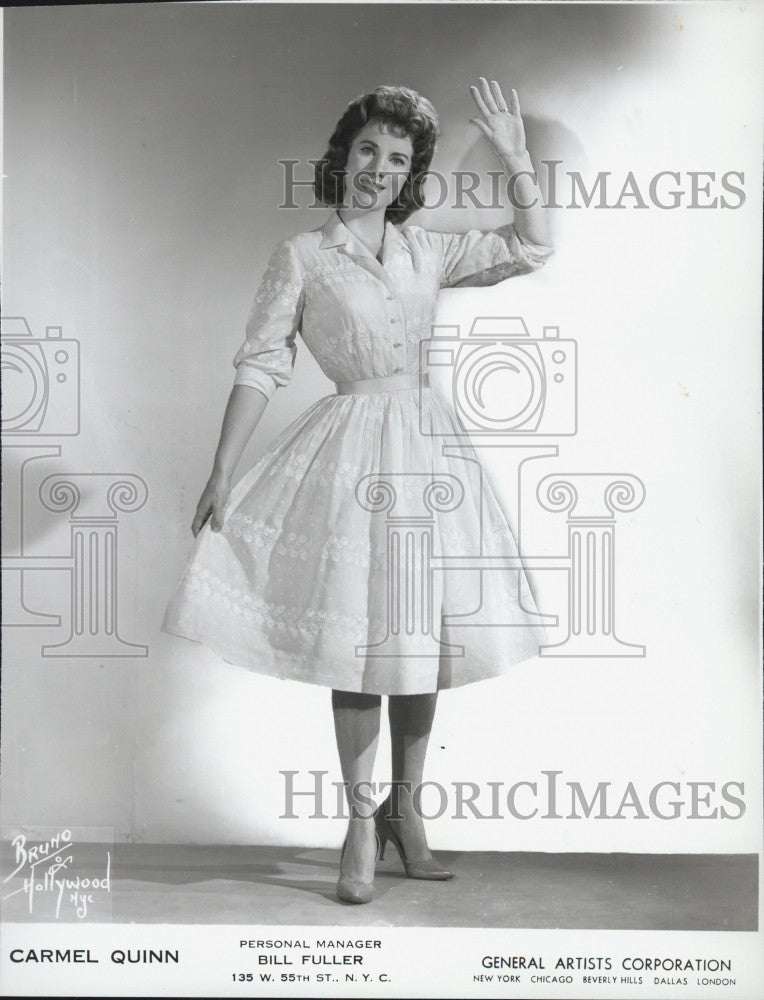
(404, 112)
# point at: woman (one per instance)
(290, 570)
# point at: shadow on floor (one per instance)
(184, 884)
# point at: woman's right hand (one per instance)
(243, 410)
(212, 503)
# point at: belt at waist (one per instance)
(387, 383)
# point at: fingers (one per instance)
(490, 99)
(203, 511)
(501, 104)
(214, 516)
(514, 104)
(217, 517)
(211, 507)
(483, 107)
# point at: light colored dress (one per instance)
(321, 571)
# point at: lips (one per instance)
(367, 182)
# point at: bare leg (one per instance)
(356, 725)
(410, 725)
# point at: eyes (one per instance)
(366, 149)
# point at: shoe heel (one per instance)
(429, 869)
(381, 843)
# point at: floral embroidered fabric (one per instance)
(298, 582)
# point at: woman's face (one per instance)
(377, 167)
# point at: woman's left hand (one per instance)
(501, 123)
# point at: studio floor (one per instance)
(161, 883)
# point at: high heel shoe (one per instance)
(351, 891)
(429, 869)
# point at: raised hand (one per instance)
(501, 124)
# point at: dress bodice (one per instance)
(358, 317)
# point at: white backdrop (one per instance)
(140, 205)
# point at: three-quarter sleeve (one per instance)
(485, 258)
(266, 358)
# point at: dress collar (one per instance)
(336, 233)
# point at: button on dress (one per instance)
(321, 570)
